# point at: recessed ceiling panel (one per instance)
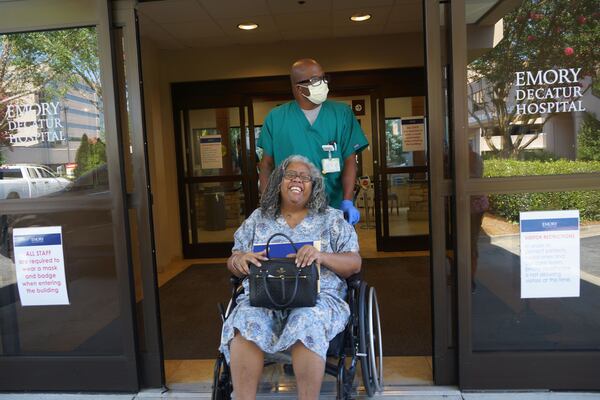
(293, 6)
(302, 21)
(235, 9)
(196, 29)
(174, 11)
(360, 5)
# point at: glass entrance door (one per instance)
(527, 184)
(216, 175)
(404, 194)
(65, 290)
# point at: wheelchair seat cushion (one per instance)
(275, 331)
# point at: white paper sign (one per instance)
(40, 266)
(210, 152)
(413, 134)
(550, 254)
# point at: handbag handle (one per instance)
(281, 305)
(285, 236)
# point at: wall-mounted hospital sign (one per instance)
(550, 251)
(548, 91)
(40, 266)
(413, 133)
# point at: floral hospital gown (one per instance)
(277, 330)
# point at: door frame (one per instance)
(213, 249)
(385, 242)
(396, 82)
(441, 193)
(503, 369)
(101, 372)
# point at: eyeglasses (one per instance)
(291, 175)
(314, 81)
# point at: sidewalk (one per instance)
(429, 393)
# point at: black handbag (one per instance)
(278, 284)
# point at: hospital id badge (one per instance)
(330, 165)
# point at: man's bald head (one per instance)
(302, 70)
(305, 68)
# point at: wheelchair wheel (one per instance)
(222, 386)
(371, 360)
(365, 364)
(375, 337)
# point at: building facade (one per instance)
(152, 110)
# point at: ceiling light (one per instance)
(360, 17)
(247, 26)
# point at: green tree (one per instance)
(588, 140)
(538, 35)
(97, 154)
(82, 157)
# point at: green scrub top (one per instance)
(286, 131)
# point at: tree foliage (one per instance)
(588, 140)
(47, 64)
(90, 154)
(538, 35)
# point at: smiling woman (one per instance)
(272, 197)
(294, 204)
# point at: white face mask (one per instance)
(318, 94)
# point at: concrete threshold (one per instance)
(409, 393)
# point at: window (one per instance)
(33, 173)
(12, 173)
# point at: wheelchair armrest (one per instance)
(235, 281)
(353, 281)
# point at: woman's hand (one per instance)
(238, 262)
(307, 255)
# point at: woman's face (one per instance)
(296, 185)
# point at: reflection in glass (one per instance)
(501, 319)
(532, 106)
(53, 144)
(90, 323)
(51, 113)
(216, 210)
(408, 205)
(215, 141)
(397, 109)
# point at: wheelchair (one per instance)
(360, 342)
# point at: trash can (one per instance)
(214, 203)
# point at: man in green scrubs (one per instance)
(326, 132)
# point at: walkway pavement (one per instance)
(437, 393)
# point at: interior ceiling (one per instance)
(180, 24)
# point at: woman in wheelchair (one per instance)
(294, 203)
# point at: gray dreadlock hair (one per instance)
(270, 201)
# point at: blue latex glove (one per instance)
(349, 209)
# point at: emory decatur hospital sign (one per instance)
(545, 92)
(42, 118)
